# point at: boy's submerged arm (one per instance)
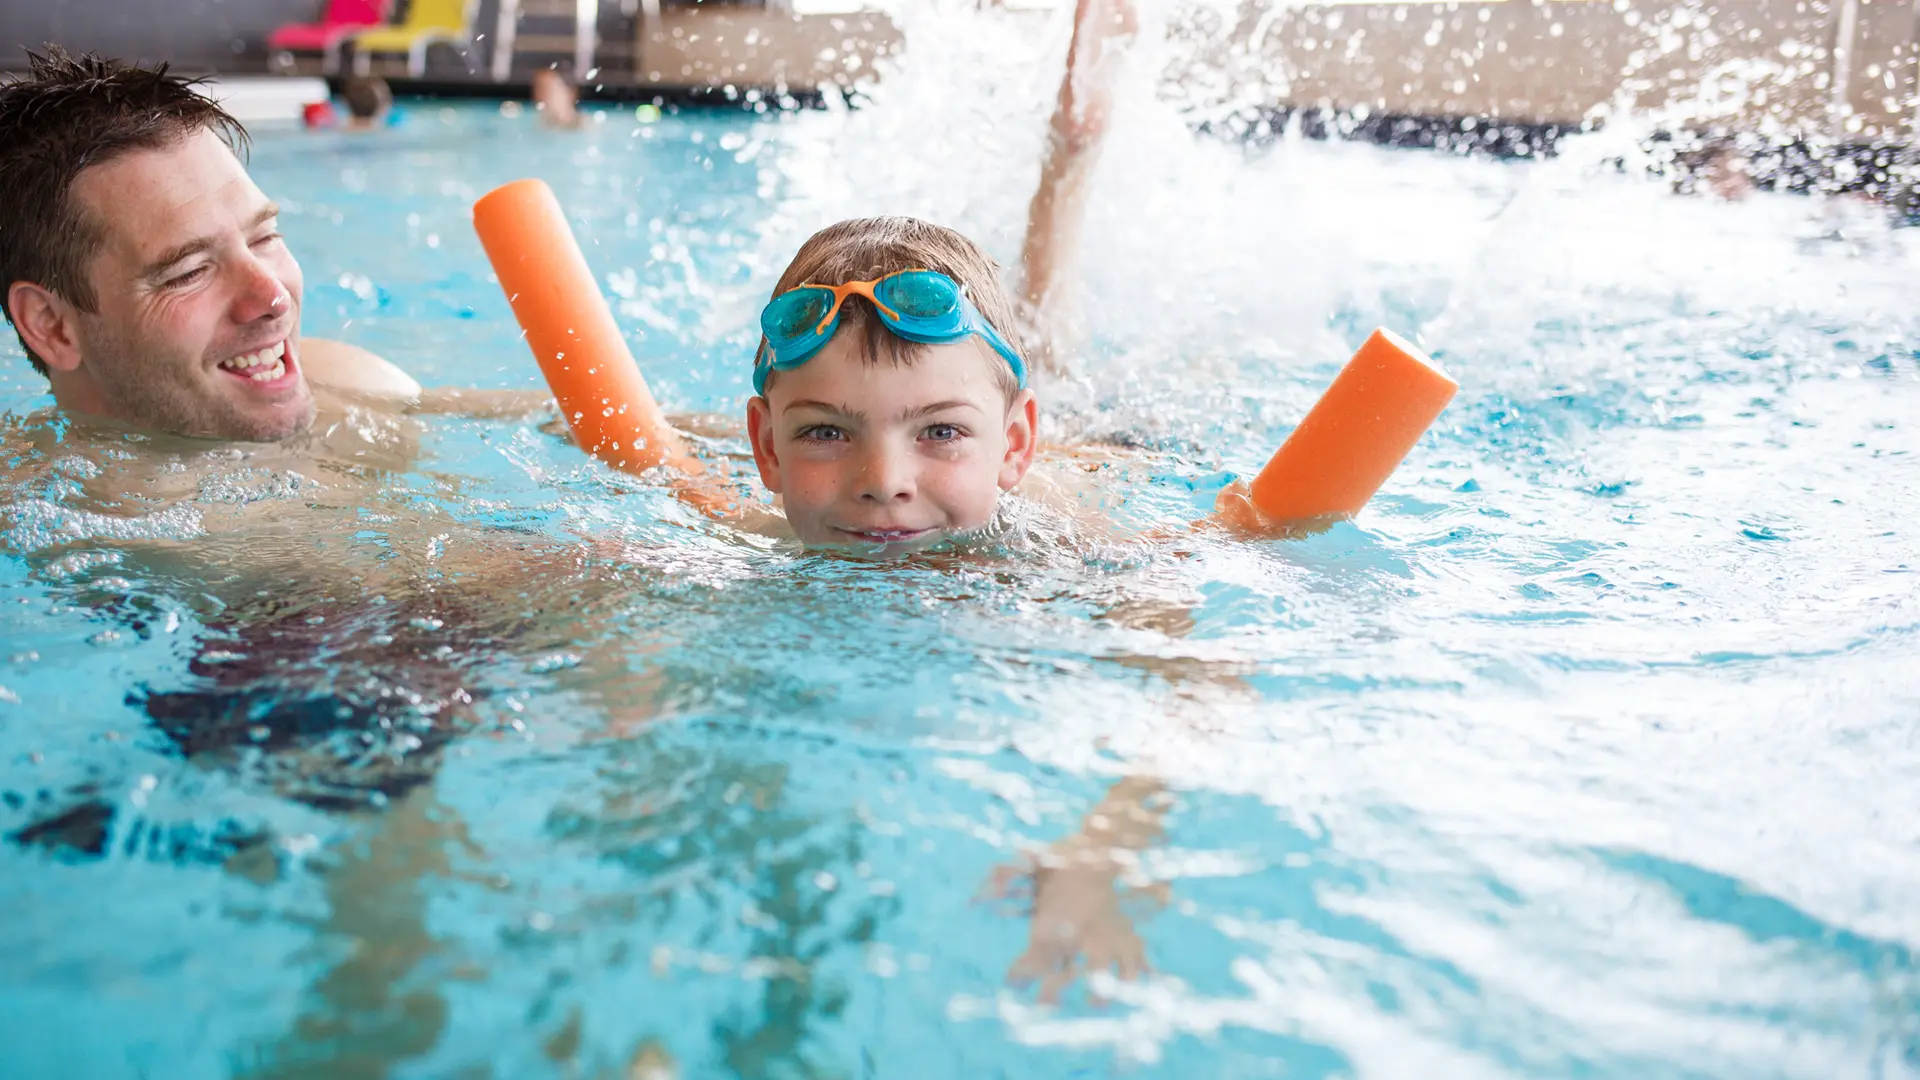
(705, 490)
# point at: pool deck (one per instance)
(257, 99)
(1842, 72)
(1838, 73)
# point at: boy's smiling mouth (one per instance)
(883, 536)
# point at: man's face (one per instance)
(197, 327)
(885, 458)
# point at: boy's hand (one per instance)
(1077, 925)
(1233, 508)
(1101, 27)
(1234, 511)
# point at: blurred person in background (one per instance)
(555, 99)
(369, 102)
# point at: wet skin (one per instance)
(202, 446)
(196, 321)
(191, 367)
(887, 458)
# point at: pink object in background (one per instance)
(342, 19)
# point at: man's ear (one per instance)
(760, 434)
(47, 323)
(1023, 428)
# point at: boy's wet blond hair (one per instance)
(866, 248)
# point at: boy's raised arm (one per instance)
(1101, 31)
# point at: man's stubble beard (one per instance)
(164, 397)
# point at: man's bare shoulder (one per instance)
(353, 370)
(358, 377)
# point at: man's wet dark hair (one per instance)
(69, 114)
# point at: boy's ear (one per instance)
(46, 324)
(1023, 428)
(760, 434)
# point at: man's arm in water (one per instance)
(484, 404)
(361, 375)
(1101, 31)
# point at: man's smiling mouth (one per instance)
(264, 367)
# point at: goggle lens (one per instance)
(918, 294)
(796, 314)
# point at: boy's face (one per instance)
(888, 458)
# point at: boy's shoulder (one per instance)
(1077, 478)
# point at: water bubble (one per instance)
(553, 662)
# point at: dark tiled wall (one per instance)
(229, 36)
(193, 35)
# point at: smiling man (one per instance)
(198, 439)
(142, 269)
(205, 459)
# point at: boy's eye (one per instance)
(942, 433)
(267, 239)
(822, 433)
(187, 278)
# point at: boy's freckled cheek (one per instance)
(812, 483)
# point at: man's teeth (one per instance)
(264, 366)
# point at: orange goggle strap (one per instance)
(855, 288)
(969, 321)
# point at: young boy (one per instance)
(875, 439)
(891, 406)
(891, 413)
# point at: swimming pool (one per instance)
(1589, 750)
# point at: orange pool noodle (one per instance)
(571, 330)
(1355, 435)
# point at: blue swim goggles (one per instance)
(918, 305)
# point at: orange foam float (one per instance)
(1348, 444)
(571, 331)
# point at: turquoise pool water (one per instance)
(1588, 750)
